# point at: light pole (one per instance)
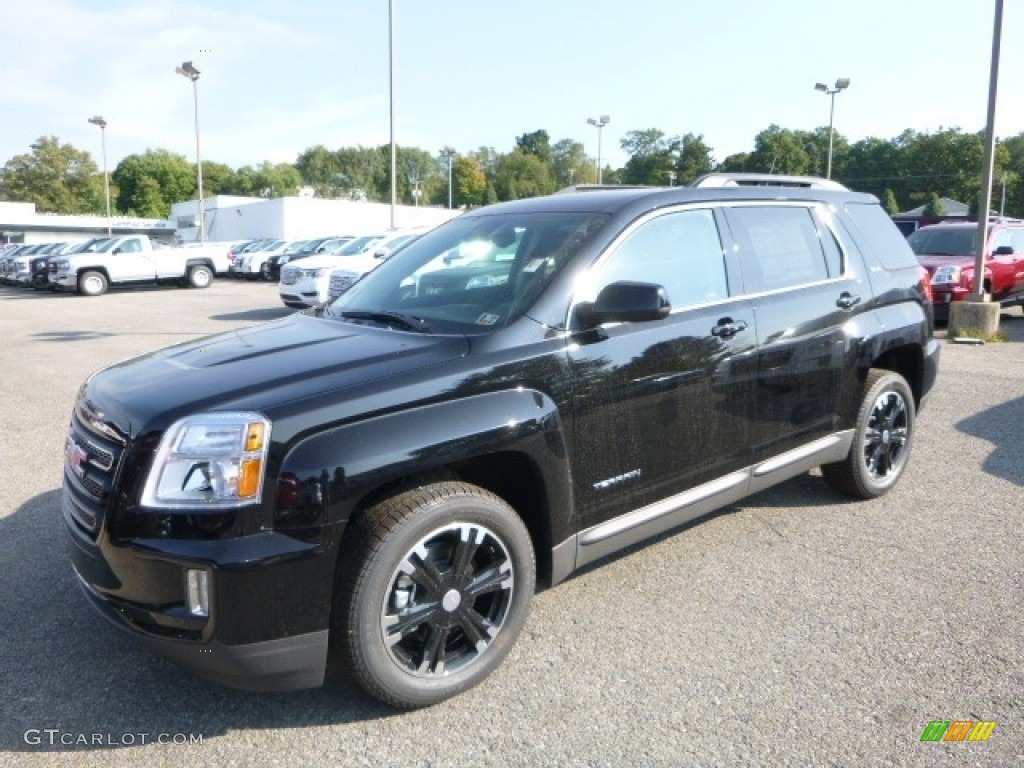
(187, 70)
(599, 123)
(391, 106)
(450, 154)
(98, 120)
(841, 84)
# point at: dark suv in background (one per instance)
(520, 392)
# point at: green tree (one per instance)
(692, 157)
(570, 164)
(521, 175)
(318, 167)
(889, 202)
(217, 178)
(781, 151)
(934, 206)
(56, 177)
(174, 178)
(537, 143)
(469, 182)
(651, 159)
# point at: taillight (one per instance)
(926, 284)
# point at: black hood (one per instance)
(258, 368)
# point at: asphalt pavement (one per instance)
(797, 628)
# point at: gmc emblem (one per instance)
(76, 457)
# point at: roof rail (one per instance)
(765, 180)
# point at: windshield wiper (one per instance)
(410, 323)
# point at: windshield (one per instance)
(471, 275)
(943, 242)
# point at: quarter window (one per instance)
(680, 251)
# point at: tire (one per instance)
(404, 568)
(265, 272)
(200, 276)
(92, 283)
(883, 438)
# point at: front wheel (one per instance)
(92, 283)
(435, 588)
(200, 276)
(882, 439)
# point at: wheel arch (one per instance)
(509, 443)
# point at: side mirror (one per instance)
(1003, 250)
(117, 251)
(625, 302)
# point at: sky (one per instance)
(280, 76)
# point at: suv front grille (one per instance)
(340, 283)
(90, 466)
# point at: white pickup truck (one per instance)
(135, 259)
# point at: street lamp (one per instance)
(841, 84)
(450, 154)
(98, 120)
(599, 123)
(187, 70)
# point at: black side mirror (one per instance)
(1003, 250)
(116, 251)
(625, 302)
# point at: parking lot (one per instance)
(797, 628)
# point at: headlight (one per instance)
(283, 260)
(215, 460)
(949, 275)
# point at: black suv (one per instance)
(520, 392)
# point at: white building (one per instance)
(227, 218)
(20, 223)
(295, 218)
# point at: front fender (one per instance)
(331, 472)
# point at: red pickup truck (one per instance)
(947, 251)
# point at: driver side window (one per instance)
(680, 251)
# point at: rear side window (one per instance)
(877, 236)
(780, 247)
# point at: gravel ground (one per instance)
(797, 628)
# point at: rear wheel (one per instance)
(265, 272)
(200, 276)
(92, 283)
(435, 589)
(882, 439)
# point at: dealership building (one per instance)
(226, 218)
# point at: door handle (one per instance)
(847, 300)
(726, 328)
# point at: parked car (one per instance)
(387, 477)
(343, 276)
(19, 266)
(948, 251)
(305, 283)
(298, 250)
(252, 263)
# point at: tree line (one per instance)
(906, 171)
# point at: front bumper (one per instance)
(270, 594)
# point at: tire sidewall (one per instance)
(200, 276)
(85, 279)
(365, 631)
(891, 382)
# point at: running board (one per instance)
(633, 527)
